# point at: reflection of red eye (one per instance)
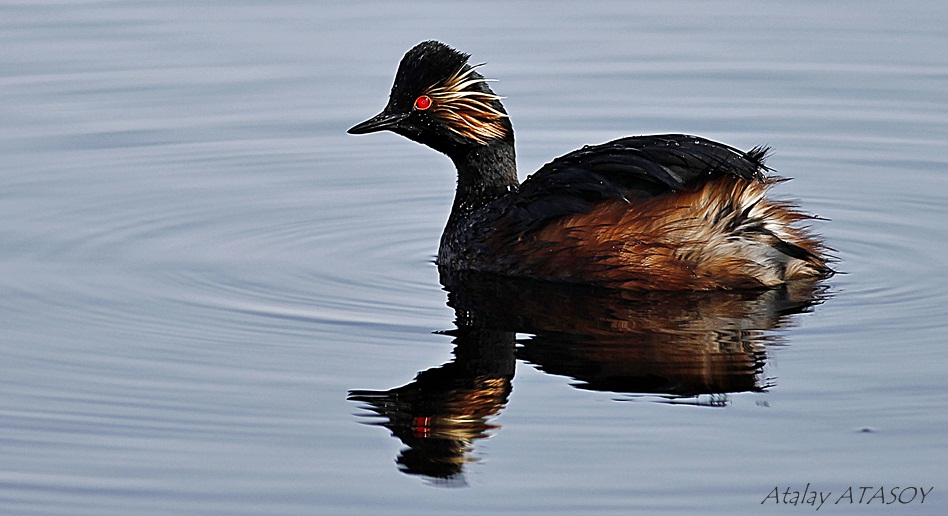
(423, 102)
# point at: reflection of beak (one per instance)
(380, 122)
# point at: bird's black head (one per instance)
(439, 100)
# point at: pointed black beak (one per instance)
(380, 122)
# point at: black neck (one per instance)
(485, 172)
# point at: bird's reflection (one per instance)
(445, 409)
(680, 346)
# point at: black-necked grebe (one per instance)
(662, 212)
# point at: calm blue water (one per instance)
(215, 301)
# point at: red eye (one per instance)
(423, 102)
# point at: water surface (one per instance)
(216, 301)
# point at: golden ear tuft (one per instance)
(467, 112)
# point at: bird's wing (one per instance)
(627, 169)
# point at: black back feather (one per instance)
(628, 169)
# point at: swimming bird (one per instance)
(659, 212)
